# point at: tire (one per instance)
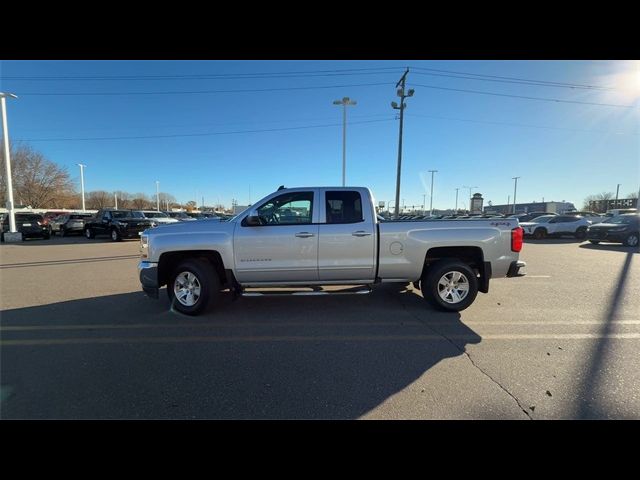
(202, 278)
(632, 240)
(595, 242)
(62, 232)
(115, 235)
(539, 233)
(89, 233)
(581, 233)
(443, 274)
(46, 236)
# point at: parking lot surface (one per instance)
(79, 340)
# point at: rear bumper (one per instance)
(514, 268)
(148, 272)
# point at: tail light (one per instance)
(517, 235)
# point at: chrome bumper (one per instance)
(148, 272)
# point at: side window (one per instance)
(106, 215)
(287, 209)
(344, 207)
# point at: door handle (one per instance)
(361, 233)
(304, 234)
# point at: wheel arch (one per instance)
(471, 255)
(169, 260)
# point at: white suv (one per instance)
(549, 225)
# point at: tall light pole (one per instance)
(82, 167)
(115, 197)
(157, 195)
(431, 202)
(515, 189)
(401, 107)
(456, 210)
(617, 191)
(7, 163)
(344, 102)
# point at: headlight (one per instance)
(154, 224)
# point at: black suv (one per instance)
(29, 224)
(118, 224)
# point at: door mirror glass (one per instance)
(252, 221)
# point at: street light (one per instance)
(431, 202)
(82, 182)
(7, 166)
(344, 102)
(157, 195)
(515, 188)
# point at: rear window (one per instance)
(28, 217)
(344, 207)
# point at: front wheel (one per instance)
(449, 285)
(193, 287)
(631, 240)
(115, 235)
(89, 233)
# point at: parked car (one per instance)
(29, 224)
(620, 211)
(621, 229)
(335, 238)
(529, 217)
(69, 223)
(160, 218)
(556, 226)
(593, 217)
(118, 224)
(180, 216)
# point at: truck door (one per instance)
(346, 249)
(284, 248)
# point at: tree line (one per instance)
(40, 183)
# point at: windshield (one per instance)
(620, 220)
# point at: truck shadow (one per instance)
(128, 357)
(616, 247)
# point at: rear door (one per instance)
(346, 250)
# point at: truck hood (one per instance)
(199, 227)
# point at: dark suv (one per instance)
(118, 224)
(29, 224)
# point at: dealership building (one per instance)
(552, 207)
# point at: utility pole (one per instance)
(344, 102)
(617, 191)
(14, 234)
(515, 188)
(431, 202)
(82, 167)
(456, 210)
(401, 107)
(115, 197)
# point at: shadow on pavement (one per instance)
(616, 247)
(553, 241)
(126, 356)
(591, 404)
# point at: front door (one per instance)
(284, 248)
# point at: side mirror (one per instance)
(252, 221)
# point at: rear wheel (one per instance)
(631, 240)
(115, 235)
(193, 287)
(539, 233)
(449, 285)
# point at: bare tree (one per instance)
(98, 199)
(596, 198)
(140, 201)
(37, 181)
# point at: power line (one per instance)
(480, 92)
(139, 137)
(514, 79)
(211, 76)
(196, 92)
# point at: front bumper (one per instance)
(607, 236)
(148, 272)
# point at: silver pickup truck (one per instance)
(326, 236)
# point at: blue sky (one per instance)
(561, 150)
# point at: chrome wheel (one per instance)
(186, 289)
(632, 240)
(453, 287)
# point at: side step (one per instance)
(280, 293)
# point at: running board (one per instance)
(281, 293)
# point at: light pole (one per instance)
(157, 195)
(401, 107)
(424, 196)
(82, 167)
(617, 191)
(7, 167)
(115, 197)
(431, 201)
(515, 188)
(456, 210)
(344, 102)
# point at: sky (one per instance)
(227, 130)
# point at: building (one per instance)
(552, 207)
